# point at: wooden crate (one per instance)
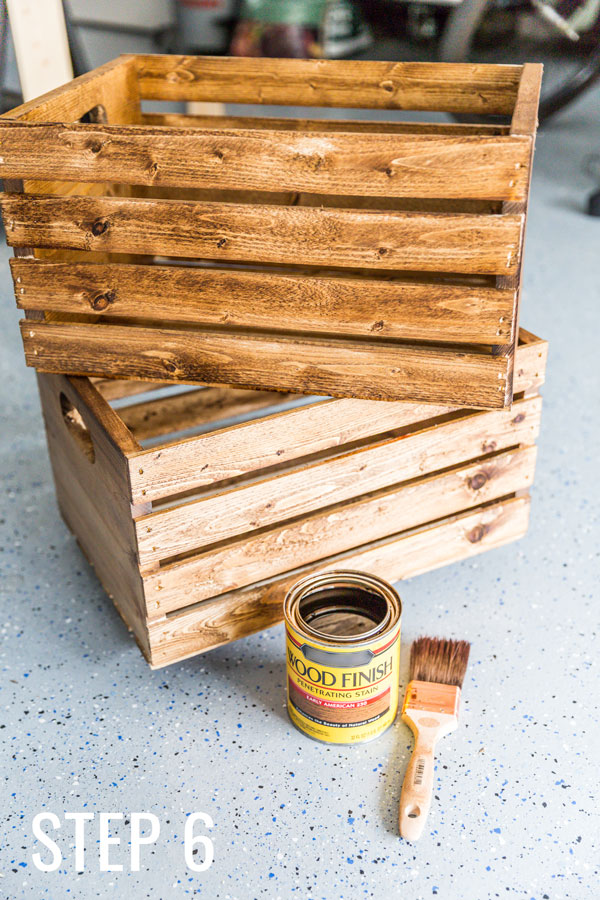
(378, 260)
(197, 526)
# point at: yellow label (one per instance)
(343, 695)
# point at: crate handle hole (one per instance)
(95, 116)
(77, 428)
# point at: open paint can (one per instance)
(343, 656)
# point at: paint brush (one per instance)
(430, 709)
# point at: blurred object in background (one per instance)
(205, 26)
(34, 40)
(300, 28)
(97, 32)
(591, 167)
(564, 35)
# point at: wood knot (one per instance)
(478, 533)
(488, 446)
(219, 154)
(382, 251)
(518, 418)
(221, 242)
(389, 172)
(180, 76)
(96, 146)
(387, 86)
(170, 367)
(102, 300)
(99, 227)
(478, 481)
(378, 326)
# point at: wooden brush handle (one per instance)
(417, 788)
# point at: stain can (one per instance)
(343, 656)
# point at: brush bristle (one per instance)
(439, 660)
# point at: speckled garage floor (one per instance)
(86, 726)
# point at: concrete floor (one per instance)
(86, 726)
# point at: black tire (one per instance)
(456, 42)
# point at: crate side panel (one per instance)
(246, 611)
(94, 499)
(258, 556)
(220, 515)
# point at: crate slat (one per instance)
(304, 365)
(256, 556)
(367, 164)
(248, 610)
(224, 514)
(524, 119)
(368, 307)
(447, 242)
(445, 87)
(191, 409)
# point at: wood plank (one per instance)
(94, 497)
(192, 409)
(366, 369)
(524, 119)
(359, 126)
(530, 364)
(443, 242)
(300, 490)
(117, 388)
(260, 555)
(368, 164)
(240, 613)
(369, 307)
(446, 87)
(112, 86)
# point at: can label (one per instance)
(343, 695)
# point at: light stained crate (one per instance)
(375, 260)
(196, 525)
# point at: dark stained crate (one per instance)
(377, 260)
